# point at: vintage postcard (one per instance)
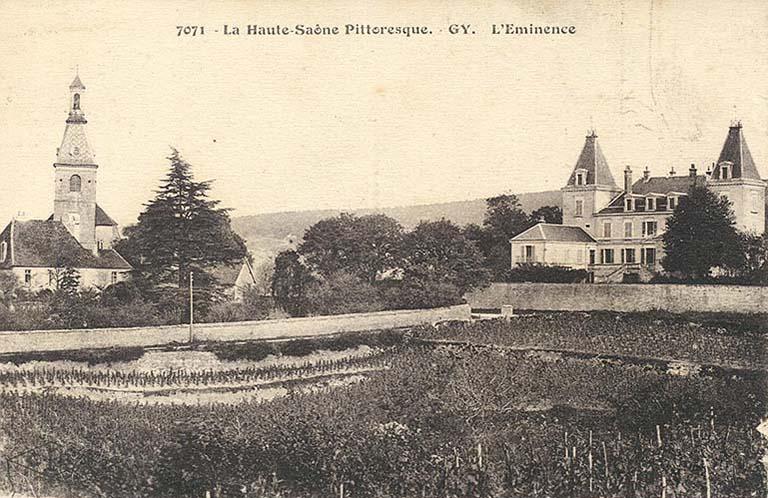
(392, 249)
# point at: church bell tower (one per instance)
(75, 175)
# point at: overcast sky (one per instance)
(292, 123)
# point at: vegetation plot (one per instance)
(444, 421)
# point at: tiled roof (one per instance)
(103, 219)
(555, 233)
(593, 161)
(226, 275)
(48, 244)
(736, 151)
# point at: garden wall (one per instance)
(622, 297)
(57, 340)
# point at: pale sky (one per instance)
(295, 123)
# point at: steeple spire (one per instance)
(74, 149)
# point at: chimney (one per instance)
(710, 170)
(692, 171)
(672, 171)
(646, 174)
(628, 179)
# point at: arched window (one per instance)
(75, 183)
(76, 102)
(3, 251)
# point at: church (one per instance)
(79, 234)
(615, 232)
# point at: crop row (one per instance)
(439, 422)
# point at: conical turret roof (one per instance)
(735, 150)
(593, 161)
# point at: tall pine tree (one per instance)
(181, 231)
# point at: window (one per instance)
(607, 230)
(725, 171)
(650, 204)
(755, 203)
(529, 253)
(579, 211)
(649, 228)
(76, 102)
(607, 256)
(27, 277)
(3, 251)
(627, 229)
(75, 183)
(649, 256)
(113, 278)
(671, 203)
(629, 256)
(591, 256)
(630, 204)
(581, 177)
(100, 244)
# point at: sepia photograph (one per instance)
(390, 249)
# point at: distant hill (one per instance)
(268, 233)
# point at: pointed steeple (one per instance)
(591, 167)
(736, 152)
(74, 149)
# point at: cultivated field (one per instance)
(546, 405)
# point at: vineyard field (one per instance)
(395, 416)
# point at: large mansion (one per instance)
(614, 232)
(79, 234)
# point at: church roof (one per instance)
(48, 244)
(736, 151)
(593, 161)
(554, 233)
(76, 83)
(103, 219)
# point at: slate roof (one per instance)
(593, 160)
(103, 219)
(736, 151)
(662, 185)
(38, 243)
(554, 233)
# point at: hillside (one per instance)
(267, 232)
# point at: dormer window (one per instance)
(671, 202)
(629, 204)
(650, 204)
(725, 171)
(581, 177)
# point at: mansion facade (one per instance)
(615, 232)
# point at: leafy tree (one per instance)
(546, 214)
(439, 251)
(290, 281)
(504, 218)
(363, 246)
(755, 267)
(342, 293)
(181, 231)
(701, 234)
